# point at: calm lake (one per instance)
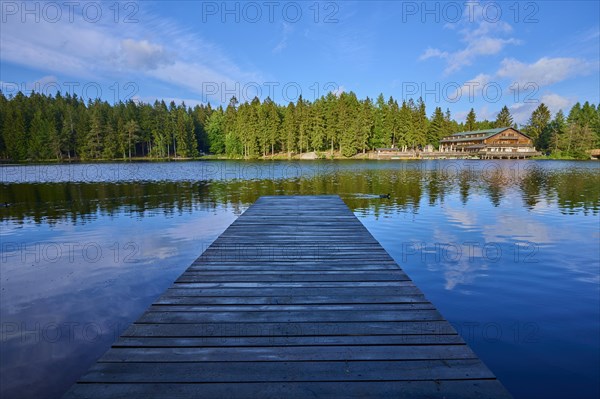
(509, 252)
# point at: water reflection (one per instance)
(573, 190)
(86, 248)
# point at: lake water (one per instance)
(509, 252)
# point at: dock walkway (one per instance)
(296, 299)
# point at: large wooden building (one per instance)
(504, 142)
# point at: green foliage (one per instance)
(406, 134)
(41, 127)
(470, 123)
(379, 139)
(214, 129)
(572, 137)
(504, 118)
(437, 127)
(537, 126)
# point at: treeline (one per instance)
(62, 127)
(41, 127)
(572, 136)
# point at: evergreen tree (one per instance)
(273, 124)
(437, 127)
(200, 116)
(379, 139)
(215, 130)
(82, 128)
(331, 121)
(471, 121)
(406, 132)
(581, 139)
(38, 137)
(595, 126)
(133, 129)
(420, 123)
(42, 127)
(112, 144)
(302, 124)
(575, 115)
(390, 123)
(581, 135)
(233, 144)
(588, 114)
(288, 139)
(67, 132)
(349, 125)
(450, 125)
(558, 128)
(318, 133)
(158, 129)
(14, 135)
(537, 126)
(3, 111)
(504, 118)
(365, 125)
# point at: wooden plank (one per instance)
(286, 272)
(289, 353)
(434, 389)
(295, 299)
(283, 340)
(415, 314)
(293, 291)
(296, 329)
(288, 371)
(300, 284)
(278, 265)
(292, 308)
(290, 300)
(232, 270)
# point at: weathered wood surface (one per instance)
(295, 299)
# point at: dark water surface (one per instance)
(508, 251)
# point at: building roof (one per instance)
(486, 133)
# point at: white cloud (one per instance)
(478, 47)
(96, 52)
(521, 112)
(544, 71)
(142, 54)
(75, 49)
(555, 102)
(433, 52)
(195, 77)
(485, 113)
(45, 84)
(341, 89)
(46, 80)
(593, 34)
(527, 78)
(287, 30)
(481, 38)
(471, 88)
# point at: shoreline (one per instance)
(263, 159)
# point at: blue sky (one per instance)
(456, 55)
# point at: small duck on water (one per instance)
(384, 196)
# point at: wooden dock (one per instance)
(296, 299)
